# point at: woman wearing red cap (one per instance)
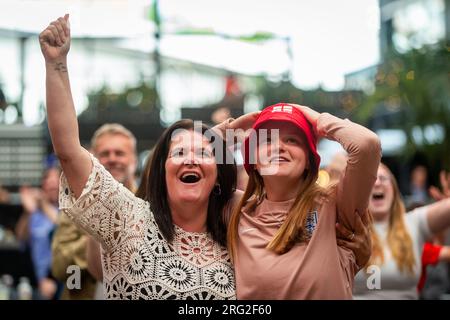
(282, 234)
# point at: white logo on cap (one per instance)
(287, 109)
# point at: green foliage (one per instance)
(142, 97)
(416, 84)
(340, 103)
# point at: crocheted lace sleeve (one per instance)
(106, 209)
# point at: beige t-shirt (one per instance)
(318, 269)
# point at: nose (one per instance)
(191, 159)
(280, 146)
(378, 181)
(111, 157)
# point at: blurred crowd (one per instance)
(53, 243)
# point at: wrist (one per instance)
(56, 64)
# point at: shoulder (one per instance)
(417, 222)
(415, 216)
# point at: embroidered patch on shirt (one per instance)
(310, 226)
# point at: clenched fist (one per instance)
(55, 39)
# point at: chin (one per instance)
(276, 171)
(187, 197)
(286, 173)
(378, 212)
(190, 193)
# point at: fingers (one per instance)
(347, 244)
(436, 193)
(309, 113)
(58, 31)
(62, 27)
(365, 218)
(445, 182)
(246, 121)
(359, 226)
(343, 232)
(255, 114)
(65, 23)
(47, 37)
(442, 178)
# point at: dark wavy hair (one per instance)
(153, 187)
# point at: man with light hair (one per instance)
(115, 147)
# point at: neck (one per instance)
(130, 184)
(380, 217)
(182, 216)
(278, 190)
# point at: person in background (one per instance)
(398, 238)
(434, 281)
(4, 195)
(432, 254)
(418, 187)
(36, 226)
(115, 147)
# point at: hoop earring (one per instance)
(217, 191)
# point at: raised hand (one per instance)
(29, 198)
(246, 121)
(437, 194)
(55, 39)
(310, 115)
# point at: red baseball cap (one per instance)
(283, 112)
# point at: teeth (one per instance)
(278, 159)
(190, 177)
(190, 174)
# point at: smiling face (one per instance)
(191, 169)
(284, 154)
(382, 196)
(116, 153)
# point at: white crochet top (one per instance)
(138, 263)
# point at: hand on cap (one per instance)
(246, 121)
(55, 39)
(311, 115)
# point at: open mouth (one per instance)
(190, 177)
(279, 159)
(378, 196)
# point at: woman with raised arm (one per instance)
(173, 248)
(398, 240)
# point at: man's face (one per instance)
(116, 153)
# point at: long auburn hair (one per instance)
(398, 238)
(153, 186)
(293, 228)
